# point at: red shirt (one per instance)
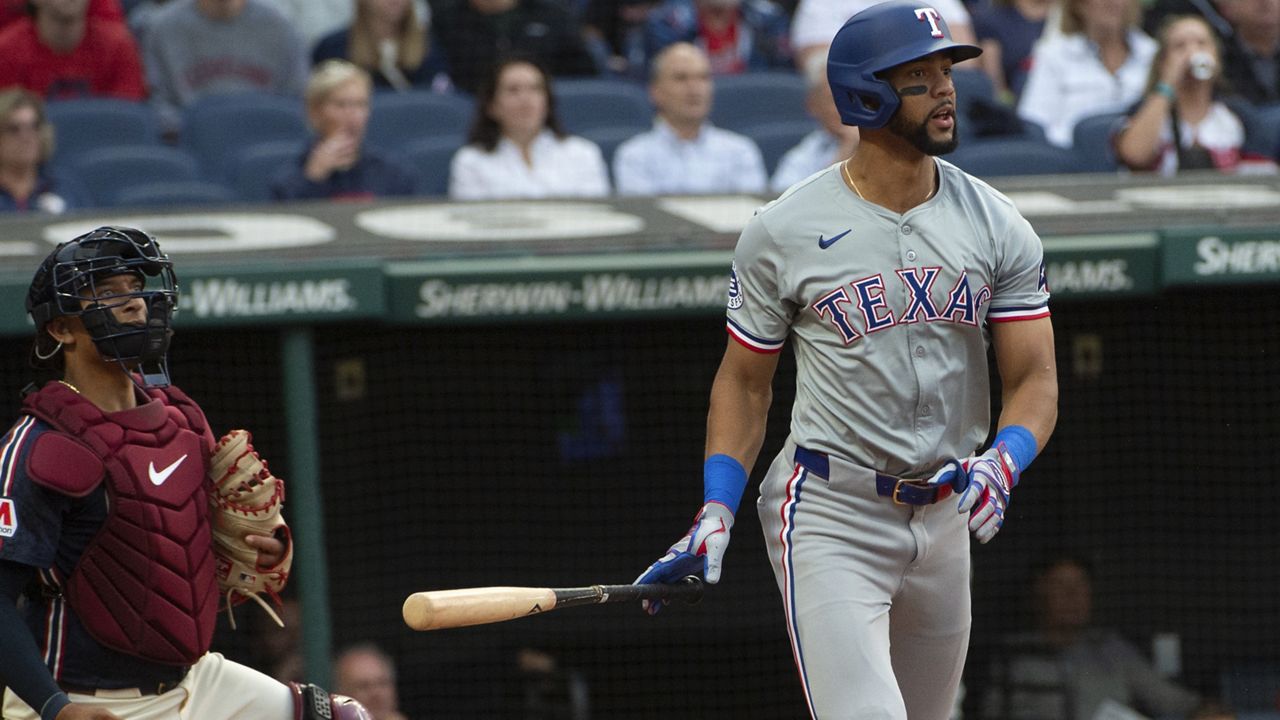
(105, 63)
(12, 10)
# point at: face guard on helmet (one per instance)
(874, 40)
(66, 284)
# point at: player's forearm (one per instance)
(737, 418)
(1033, 404)
(23, 671)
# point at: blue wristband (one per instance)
(1020, 444)
(723, 481)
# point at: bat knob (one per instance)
(692, 589)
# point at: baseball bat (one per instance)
(438, 609)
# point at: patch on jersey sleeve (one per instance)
(735, 288)
(8, 517)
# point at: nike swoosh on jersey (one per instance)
(824, 244)
(158, 478)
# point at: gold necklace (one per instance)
(845, 167)
(74, 389)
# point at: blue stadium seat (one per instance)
(1091, 142)
(1251, 686)
(216, 127)
(609, 138)
(107, 172)
(397, 119)
(585, 104)
(972, 87)
(430, 158)
(754, 98)
(1001, 157)
(776, 138)
(1263, 133)
(165, 194)
(260, 164)
(89, 123)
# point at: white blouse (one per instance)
(560, 167)
(1068, 82)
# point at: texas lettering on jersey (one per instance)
(867, 295)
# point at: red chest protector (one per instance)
(145, 585)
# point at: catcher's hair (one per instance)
(16, 98)
(485, 130)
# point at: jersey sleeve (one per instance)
(757, 316)
(30, 515)
(1021, 291)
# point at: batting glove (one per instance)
(699, 552)
(992, 476)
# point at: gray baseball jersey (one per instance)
(887, 312)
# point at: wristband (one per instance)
(1019, 443)
(723, 481)
(1165, 89)
(54, 705)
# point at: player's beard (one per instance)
(918, 134)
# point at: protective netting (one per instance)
(569, 454)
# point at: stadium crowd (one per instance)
(157, 102)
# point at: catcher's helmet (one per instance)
(65, 284)
(874, 40)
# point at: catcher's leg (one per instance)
(312, 702)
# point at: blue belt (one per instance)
(902, 492)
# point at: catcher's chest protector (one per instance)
(145, 585)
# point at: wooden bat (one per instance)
(437, 609)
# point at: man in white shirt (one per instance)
(684, 153)
(829, 143)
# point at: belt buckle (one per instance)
(897, 490)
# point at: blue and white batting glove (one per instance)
(699, 552)
(992, 476)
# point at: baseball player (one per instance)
(890, 273)
(106, 524)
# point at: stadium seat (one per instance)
(999, 157)
(609, 138)
(1263, 135)
(754, 98)
(776, 138)
(430, 158)
(1091, 142)
(589, 103)
(258, 165)
(164, 194)
(85, 124)
(216, 126)
(107, 172)
(1251, 686)
(973, 88)
(397, 119)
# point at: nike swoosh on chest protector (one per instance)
(158, 478)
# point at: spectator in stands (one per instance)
(1007, 30)
(815, 22)
(1067, 669)
(1181, 125)
(1252, 60)
(830, 143)
(368, 674)
(391, 44)
(614, 33)
(737, 35)
(684, 152)
(337, 165)
(473, 32)
(196, 47)
(60, 52)
(517, 148)
(11, 10)
(26, 144)
(1097, 64)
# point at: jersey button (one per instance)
(926, 411)
(906, 229)
(911, 254)
(919, 351)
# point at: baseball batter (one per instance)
(105, 515)
(890, 273)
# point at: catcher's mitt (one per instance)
(246, 500)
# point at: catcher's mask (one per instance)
(66, 285)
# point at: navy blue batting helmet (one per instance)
(876, 39)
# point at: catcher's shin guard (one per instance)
(312, 702)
